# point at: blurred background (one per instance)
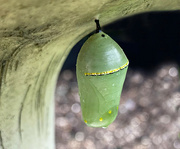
(149, 111)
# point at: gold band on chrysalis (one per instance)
(106, 72)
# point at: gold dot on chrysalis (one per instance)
(85, 121)
(109, 111)
(101, 119)
(117, 107)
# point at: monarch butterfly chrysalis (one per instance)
(101, 70)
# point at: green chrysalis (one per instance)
(101, 70)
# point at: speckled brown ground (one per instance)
(149, 113)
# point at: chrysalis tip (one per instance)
(98, 27)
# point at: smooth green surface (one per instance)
(100, 95)
(100, 53)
